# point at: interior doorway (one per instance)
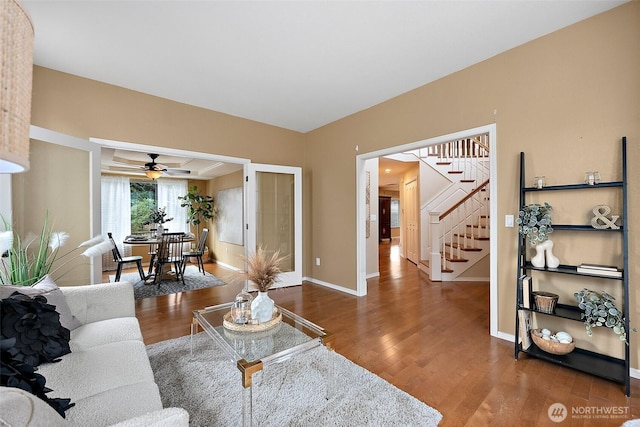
(362, 218)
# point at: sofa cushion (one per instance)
(36, 326)
(47, 288)
(168, 417)
(97, 369)
(20, 408)
(116, 405)
(105, 332)
(15, 373)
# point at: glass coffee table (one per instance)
(253, 349)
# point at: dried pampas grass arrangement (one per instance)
(263, 270)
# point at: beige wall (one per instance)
(86, 108)
(33, 199)
(565, 99)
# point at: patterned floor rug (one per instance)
(193, 279)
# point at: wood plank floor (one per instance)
(429, 339)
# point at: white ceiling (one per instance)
(293, 64)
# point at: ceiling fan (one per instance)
(155, 170)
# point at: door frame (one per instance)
(250, 169)
(361, 253)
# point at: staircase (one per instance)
(455, 222)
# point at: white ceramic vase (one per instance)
(552, 260)
(538, 259)
(262, 307)
(544, 255)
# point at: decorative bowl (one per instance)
(550, 346)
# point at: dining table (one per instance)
(152, 241)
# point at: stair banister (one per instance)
(467, 197)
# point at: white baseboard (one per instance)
(330, 285)
(222, 264)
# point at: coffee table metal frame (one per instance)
(211, 318)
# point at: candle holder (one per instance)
(538, 182)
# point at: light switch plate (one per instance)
(508, 220)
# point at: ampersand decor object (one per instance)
(600, 220)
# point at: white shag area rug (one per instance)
(291, 393)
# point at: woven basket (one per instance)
(549, 346)
(545, 301)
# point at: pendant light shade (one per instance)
(16, 77)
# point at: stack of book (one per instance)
(601, 270)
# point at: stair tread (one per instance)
(471, 236)
(464, 248)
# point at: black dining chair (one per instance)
(197, 253)
(169, 251)
(122, 261)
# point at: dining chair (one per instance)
(122, 261)
(169, 251)
(197, 253)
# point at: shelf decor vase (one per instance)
(538, 259)
(262, 307)
(552, 260)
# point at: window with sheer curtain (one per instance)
(116, 210)
(116, 214)
(168, 192)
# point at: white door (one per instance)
(412, 216)
(273, 196)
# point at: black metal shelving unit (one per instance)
(594, 363)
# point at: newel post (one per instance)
(435, 270)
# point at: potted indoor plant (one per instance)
(199, 208)
(599, 309)
(26, 260)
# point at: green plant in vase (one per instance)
(599, 309)
(534, 222)
(158, 216)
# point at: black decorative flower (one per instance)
(35, 325)
(15, 373)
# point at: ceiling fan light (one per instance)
(153, 174)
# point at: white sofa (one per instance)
(107, 374)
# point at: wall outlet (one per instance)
(317, 261)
